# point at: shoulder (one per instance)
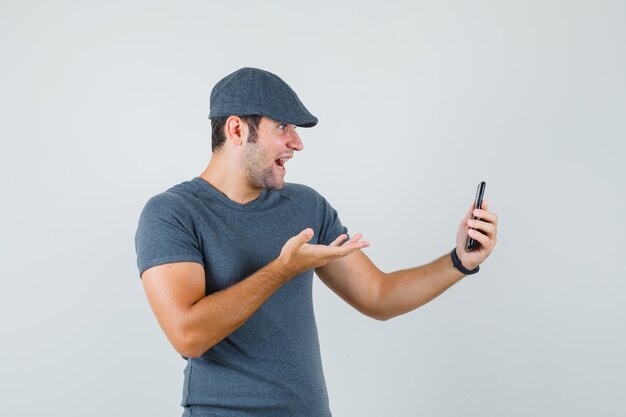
(179, 201)
(300, 192)
(305, 197)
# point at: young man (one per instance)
(227, 261)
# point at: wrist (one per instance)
(279, 269)
(459, 266)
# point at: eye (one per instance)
(282, 126)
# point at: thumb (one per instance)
(305, 235)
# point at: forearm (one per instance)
(405, 290)
(217, 315)
(194, 323)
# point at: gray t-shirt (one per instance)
(271, 365)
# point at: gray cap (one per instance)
(252, 91)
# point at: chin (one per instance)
(276, 187)
(268, 180)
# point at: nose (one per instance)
(295, 142)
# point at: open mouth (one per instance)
(280, 163)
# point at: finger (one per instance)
(354, 242)
(484, 240)
(340, 239)
(348, 248)
(355, 238)
(305, 235)
(488, 228)
(486, 216)
(343, 250)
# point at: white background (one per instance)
(104, 104)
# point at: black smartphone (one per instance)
(471, 244)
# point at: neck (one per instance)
(229, 179)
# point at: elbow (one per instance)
(190, 354)
(193, 341)
(189, 345)
(381, 316)
(376, 313)
(386, 315)
(188, 351)
(186, 348)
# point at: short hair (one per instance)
(218, 137)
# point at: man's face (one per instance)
(264, 161)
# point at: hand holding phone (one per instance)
(471, 244)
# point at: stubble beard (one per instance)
(259, 175)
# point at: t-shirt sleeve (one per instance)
(330, 225)
(166, 233)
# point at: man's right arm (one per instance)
(194, 323)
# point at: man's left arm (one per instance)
(382, 296)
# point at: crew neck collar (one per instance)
(251, 205)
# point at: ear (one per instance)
(235, 130)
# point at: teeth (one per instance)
(281, 162)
